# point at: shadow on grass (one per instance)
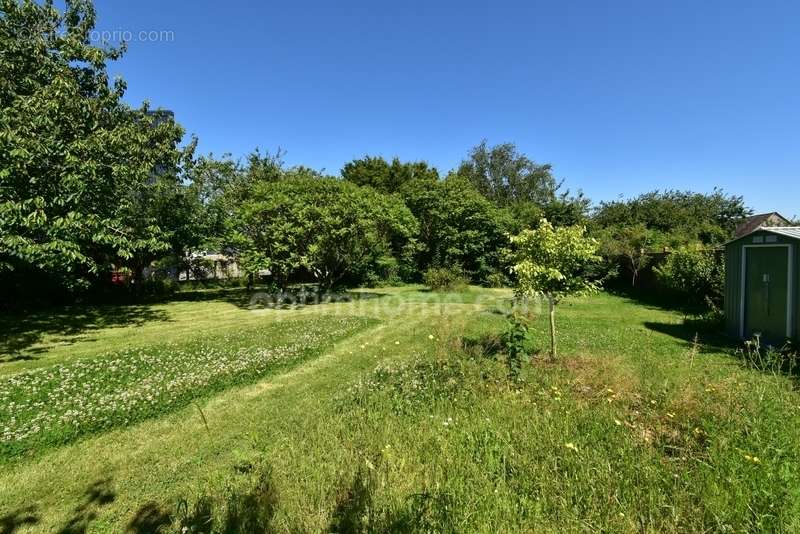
(96, 496)
(485, 345)
(247, 512)
(356, 510)
(22, 517)
(148, 519)
(65, 325)
(706, 335)
(653, 299)
(708, 339)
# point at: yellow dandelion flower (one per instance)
(571, 446)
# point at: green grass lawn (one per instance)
(393, 413)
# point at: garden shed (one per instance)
(762, 284)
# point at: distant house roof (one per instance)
(764, 220)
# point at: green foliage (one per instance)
(629, 247)
(388, 178)
(498, 280)
(445, 279)
(526, 189)
(264, 168)
(332, 229)
(696, 275)
(680, 217)
(514, 341)
(457, 226)
(215, 187)
(75, 161)
(505, 176)
(554, 262)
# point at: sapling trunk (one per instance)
(553, 347)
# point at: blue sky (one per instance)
(621, 97)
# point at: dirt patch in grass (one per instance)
(674, 423)
(594, 379)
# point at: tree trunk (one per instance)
(553, 347)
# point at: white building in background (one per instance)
(210, 266)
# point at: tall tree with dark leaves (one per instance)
(75, 161)
(506, 176)
(528, 190)
(377, 173)
(458, 227)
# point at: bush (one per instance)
(156, 287)
(698, 276)
(498, 280)
(445, 279)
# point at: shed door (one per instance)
(767, 292)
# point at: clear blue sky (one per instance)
(621, 97)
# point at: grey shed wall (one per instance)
(733, 280)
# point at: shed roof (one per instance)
(786, 231)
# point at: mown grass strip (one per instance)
(56, 405)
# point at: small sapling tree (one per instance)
(554, 263)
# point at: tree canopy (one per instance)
(387, 177)
(682, 216)
(555, 263)
(76, 163)
(505, 176)
(329, 228)
(458, 226)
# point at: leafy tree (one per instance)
(562, 210)
(75, 161)
(681, 216)
(528, 190)
(265, 167)
(215, 186)
(554, 263)
(458, 226)
(695, 274)
(330, 228)
(567, 210)
(506, 177)
(629, 246)
(376, 172)
(195, 211)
